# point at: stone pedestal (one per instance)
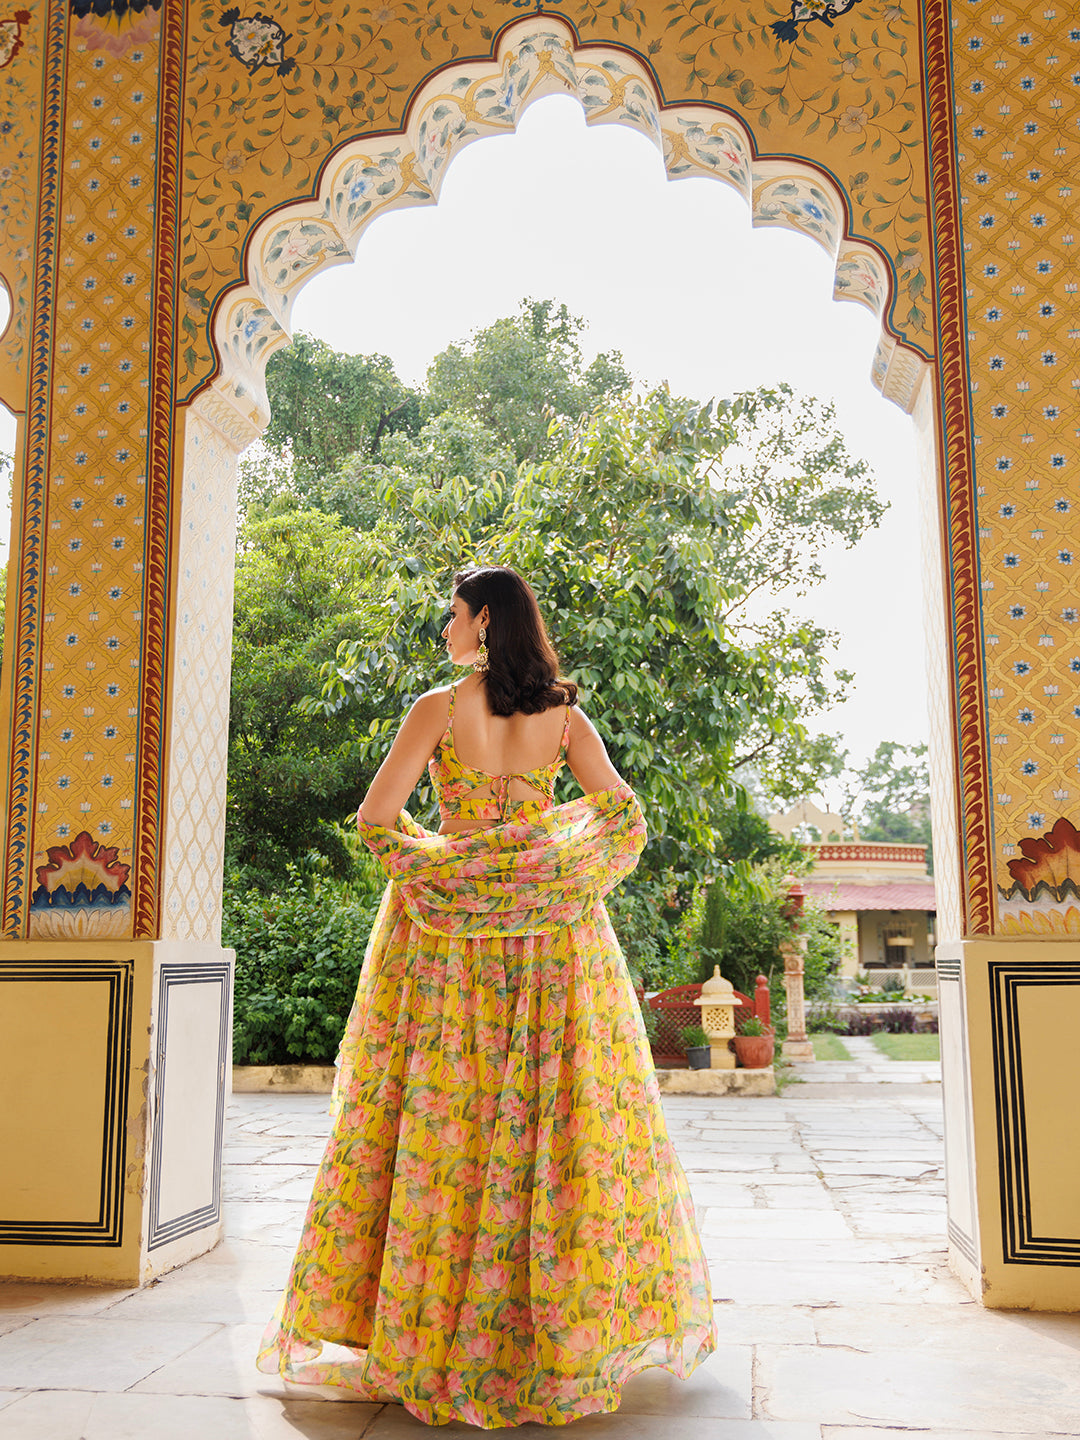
(717, 1082)
(114, 1064)
(797, 1046)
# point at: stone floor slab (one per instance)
(777, 1224)
(860, 1432)
(211, 1294)
(397, 1424)
(823, 1218)
(891, 1222)
(67, 1415)
(79, 1352)
(766, 1282)
(947, 1390)
(222, 1364)
(721, 1388)
(28, 1298)
(764, 1324)
(964, 1329)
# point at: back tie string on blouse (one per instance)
(457, 784)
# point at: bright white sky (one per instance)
(672, 275)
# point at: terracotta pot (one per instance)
(699, 1057)
(754, 1052)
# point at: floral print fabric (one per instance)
(499, 1231)
(470, 794)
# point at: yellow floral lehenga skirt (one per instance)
(499, 1230)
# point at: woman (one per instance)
(499, 1231)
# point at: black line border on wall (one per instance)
(950, 972)
(170, 975)
(1019, 1245)
(107, 1229)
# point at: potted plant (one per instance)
(754, 1044)
(698, 1051)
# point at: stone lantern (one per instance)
(717, 1001)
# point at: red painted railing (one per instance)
(675, 1010)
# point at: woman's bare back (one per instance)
(496, 745)
(500, 745)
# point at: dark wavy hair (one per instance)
(523, 668)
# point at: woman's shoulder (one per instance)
(440, 695)
(433, 707)
(580, 724)
(439, 702)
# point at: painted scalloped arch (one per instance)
(461, 104)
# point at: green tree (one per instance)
(889, 797)
(744, 835)
(325, 406)
(741, 929)
(302, 587)
(453, 444)
(641, 553)
(522, 372)
(792, 468)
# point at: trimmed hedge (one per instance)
(298, 958)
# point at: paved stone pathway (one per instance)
(869, 1066)
(822, 1213)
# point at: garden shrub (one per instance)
(639, 910)
(827, 1018)
(899, 1022)
(741, 928)
(298, 958)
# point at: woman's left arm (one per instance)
(413, 746)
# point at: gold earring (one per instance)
(480, 664)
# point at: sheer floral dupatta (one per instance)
(499, 1231)
(517, 879)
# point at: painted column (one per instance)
(115, 997)
(166, 191)
(1003, 91)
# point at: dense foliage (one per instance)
(741, 929)
(669, 543)
(522, 372)
(302, 587)
(326, 406)
(298, 956)
(643, 558)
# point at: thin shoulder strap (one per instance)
(447, 738)
(565, 733)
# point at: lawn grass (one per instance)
(908, 1047)
(829, 1047)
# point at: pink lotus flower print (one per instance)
(466, 1233)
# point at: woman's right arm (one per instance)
(587, 756)
(413, 746)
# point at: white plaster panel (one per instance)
(956, 1100)
(188, 1117)
(195, 807)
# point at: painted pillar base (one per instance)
(1010, 1013)
(115, 1060)
(797, 1050)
